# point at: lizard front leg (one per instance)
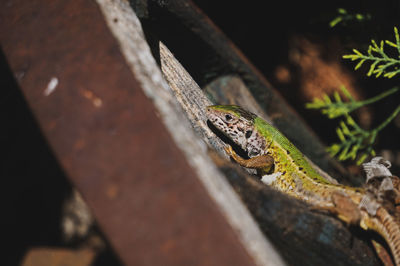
(263, 163)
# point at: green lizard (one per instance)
(285, 168)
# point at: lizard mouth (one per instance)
(217, 126)
(242, 153)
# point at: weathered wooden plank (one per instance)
(108, 137)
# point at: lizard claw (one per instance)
(228, 149)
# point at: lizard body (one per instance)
(286, 169)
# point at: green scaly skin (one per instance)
(294, 175)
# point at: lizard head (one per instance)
(234, 122)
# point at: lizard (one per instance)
(283, 167)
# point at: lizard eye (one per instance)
(228, 117)
(248, 134)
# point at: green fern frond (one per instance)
(343, 17)
(381, 63)
(356, 142)
(337, 107)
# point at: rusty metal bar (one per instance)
(106, 135)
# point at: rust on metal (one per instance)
(106, 136)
